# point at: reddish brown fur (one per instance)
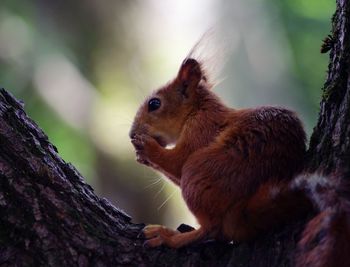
(325, 240)
(232, 165)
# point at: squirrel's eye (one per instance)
(154, 104)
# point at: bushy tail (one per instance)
(275, 203)
(325, 241)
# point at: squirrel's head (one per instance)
(164, 112)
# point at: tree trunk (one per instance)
(50, 216)
(330, 142)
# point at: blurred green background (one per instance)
(83, 67)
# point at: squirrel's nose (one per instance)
(138, 129)
(132, 134)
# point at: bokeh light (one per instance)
(83, 68)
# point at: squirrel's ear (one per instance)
(190, 73)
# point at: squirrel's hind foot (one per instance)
(157, 235)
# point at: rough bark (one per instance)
(330, 142)
(50, 216)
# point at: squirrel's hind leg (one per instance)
(160, 235)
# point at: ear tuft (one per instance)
(190, 72)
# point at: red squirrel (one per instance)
(232, 165)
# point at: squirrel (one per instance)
(234, 166)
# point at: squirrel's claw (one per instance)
(138, 143)
(144, 146)
(157, 235)
(140, 158)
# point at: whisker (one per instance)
(147, 175)
(153, 184)
(153, 178)
(161, 189)
(166, 200)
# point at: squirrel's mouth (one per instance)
(160, 140)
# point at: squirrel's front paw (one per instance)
(146, 147)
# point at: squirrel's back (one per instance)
(270, 139)
(242, 171)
